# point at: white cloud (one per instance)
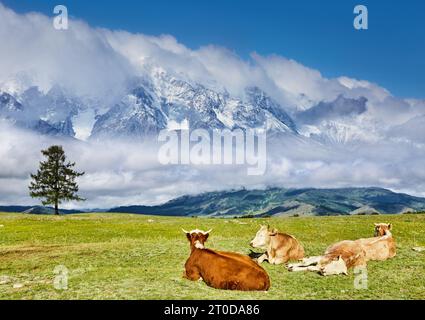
(79, 58)
(119, 173)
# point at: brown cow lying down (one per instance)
(344, 255)
(281, 247)
(222, 270)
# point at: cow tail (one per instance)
(267, 283)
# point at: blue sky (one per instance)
(319, 34)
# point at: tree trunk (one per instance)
(57, 191)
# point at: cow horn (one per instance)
(185, 231)
(208, 231)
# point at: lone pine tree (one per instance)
(54, 181)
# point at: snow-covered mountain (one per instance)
(159, 99)
(137, 115)
(46, 113)
(343, 121)
(151, 104)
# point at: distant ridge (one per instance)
(281, 202)
(36, 210)
(266, 203)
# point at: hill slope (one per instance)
(279, 201)
(35, 210)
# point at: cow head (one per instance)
(382, 229)
(197, 238)
(262, 238)
(335, 266)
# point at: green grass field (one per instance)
(120, 256)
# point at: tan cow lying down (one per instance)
(281, 247)
(222, 270)
(344, 255)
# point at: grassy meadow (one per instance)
(122, 256)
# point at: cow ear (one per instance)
(273, 232)
(187, 233)
(189, 236)
(206, 236)
(390, 226)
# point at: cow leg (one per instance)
(314, 268)
(284, 257)
(275, 260)
(278, 260)
(262, 258)
(192, 274)
(301, 268)
(294, 268)
(311, 261)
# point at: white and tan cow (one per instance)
(281, 247)
(382, 246)
(341, 256)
